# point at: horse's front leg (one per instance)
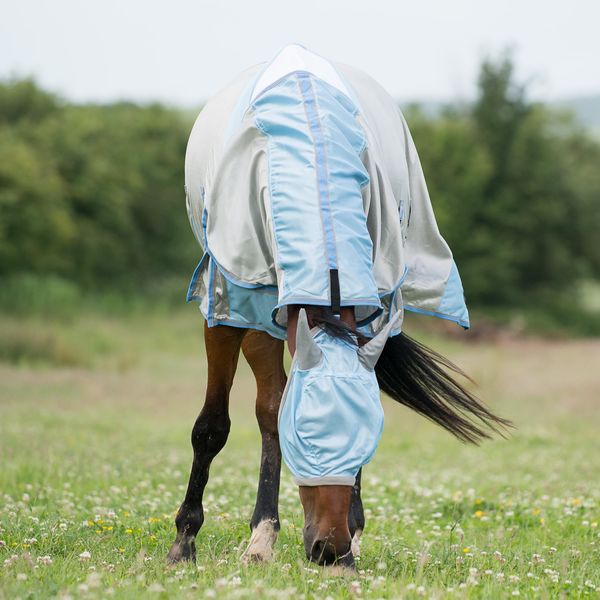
(356, 516)
(209, 434)
(265, 357)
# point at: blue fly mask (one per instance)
(331, 418)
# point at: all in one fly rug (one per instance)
(304, 187)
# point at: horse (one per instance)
(306, 194)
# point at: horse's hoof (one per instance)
(182, 550)
(355, 546)
(260, 548)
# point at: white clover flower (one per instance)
(44, 560)
(537, 559)
(355, 588)
(85, 555)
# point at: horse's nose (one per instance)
(324, 552)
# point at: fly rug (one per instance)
(305, 191)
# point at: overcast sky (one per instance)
(183, 51)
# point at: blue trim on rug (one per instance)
(453, 300)
(255, 326)
(431, 313)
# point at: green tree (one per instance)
(516, 193)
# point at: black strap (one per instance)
(334, 287)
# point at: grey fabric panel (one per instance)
(426, 254)
(330, 480)
(205, 144)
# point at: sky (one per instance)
(181, 52)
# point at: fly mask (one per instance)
(331, 418)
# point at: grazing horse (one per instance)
(306, 194)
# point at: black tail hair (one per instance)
(418, 377)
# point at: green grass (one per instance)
(94, 456)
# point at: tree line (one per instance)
(93, 194)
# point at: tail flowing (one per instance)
(418, 377)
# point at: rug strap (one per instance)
(334, 287)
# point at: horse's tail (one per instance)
(418, 377)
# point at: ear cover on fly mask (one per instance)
(331, 419)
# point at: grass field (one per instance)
(95, 415)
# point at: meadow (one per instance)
(95, 416)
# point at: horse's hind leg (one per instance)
(356, 515)
(208, 435)
(265, 357)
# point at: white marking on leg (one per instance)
(355, 546)
(260, 548)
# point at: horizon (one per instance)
(139, 52)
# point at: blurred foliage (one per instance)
(93, 194)
(516, 190)
(91, 197)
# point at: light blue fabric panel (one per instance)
(232, 304)
(252, 308)
(453, 305)
(315, 180)
(331, 418)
